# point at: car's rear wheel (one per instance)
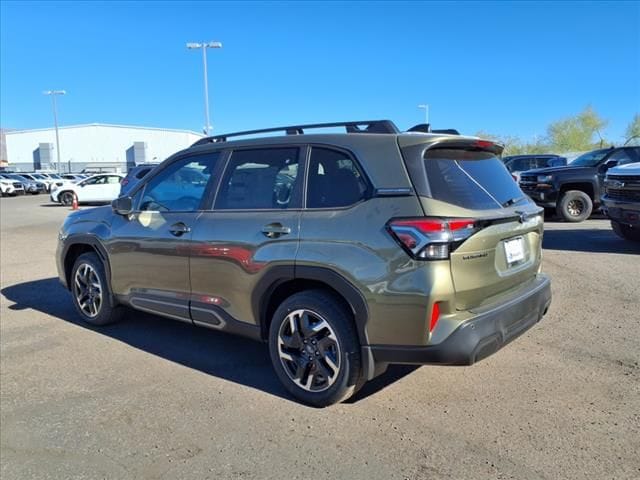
(626, 231)
(66, 198)
(91, 295)
(575, 206)
(314, 348)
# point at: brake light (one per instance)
(431, 238)
(435, 316)
(483, 144)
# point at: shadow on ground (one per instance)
(588, 240)
(232, 358)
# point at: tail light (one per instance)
(431, 238)
(124, 181)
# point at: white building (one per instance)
(94, 146)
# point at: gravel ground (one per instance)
(152, 398)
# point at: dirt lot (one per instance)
(152, 398)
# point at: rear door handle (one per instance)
(179, 229)
(274, 230)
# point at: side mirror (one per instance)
(122, 205)
(607, 165)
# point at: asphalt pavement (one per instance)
(157, 399)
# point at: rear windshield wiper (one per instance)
(511, 201)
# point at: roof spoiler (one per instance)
(426, 128)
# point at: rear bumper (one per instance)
(481, 336)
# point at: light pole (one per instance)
(52, 94)
(425, 107)
(204, 46)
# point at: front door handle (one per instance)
(274, 230)
(179, 229)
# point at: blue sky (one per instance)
(506, 68)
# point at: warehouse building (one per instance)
(94, 147)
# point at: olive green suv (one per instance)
(346, 252)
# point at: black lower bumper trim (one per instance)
(479, 337)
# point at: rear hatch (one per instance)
(459, 178)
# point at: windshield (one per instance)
(590, 159)
(471, 179)
(38, 176)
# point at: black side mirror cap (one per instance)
(607, 165)
(122, 205)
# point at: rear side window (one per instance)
(260, 179)
(470, 179)
(334, 180)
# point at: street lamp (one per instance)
(204, 46)
(425, 107)
(52, 94)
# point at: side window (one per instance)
(621, 157)
(112, 179)
(91, 181)
(519, 164)
(181, 186)
(334, 180)
(260, 179)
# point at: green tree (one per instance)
(577, 133)
(633, 130)
(515, 145)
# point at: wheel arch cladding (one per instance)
(79, 245)
(281, 282)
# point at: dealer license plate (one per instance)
(514, 249)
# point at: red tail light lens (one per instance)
(124, 181)
(431, 238)
(435, 316)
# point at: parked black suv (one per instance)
(575, 190)
(517, 164)
(134, 175)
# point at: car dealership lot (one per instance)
(153, 398)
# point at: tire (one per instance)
(574, 206)
(66, 198)
(94, 304)
(325, 344)
(626, 231)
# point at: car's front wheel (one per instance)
(626, 231)
(314, 348)
(91, 295)
(575, 206)
(66, 198)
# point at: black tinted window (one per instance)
(474, 180)
(181, 186)
(621, 156)
(334, 180)
(260, 179)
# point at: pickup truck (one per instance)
(622, 200)
(573, 191)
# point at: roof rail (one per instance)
(364, 126)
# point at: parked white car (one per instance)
(10, 187)
(101, 188)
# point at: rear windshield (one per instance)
(470, 179)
